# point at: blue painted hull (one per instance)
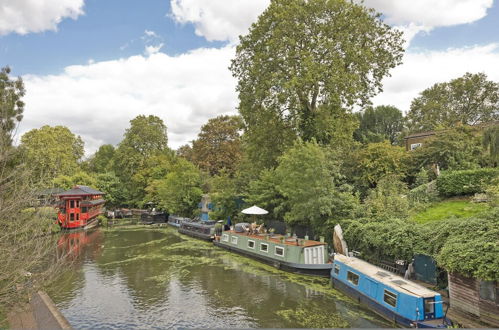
(382, 310)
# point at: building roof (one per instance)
(80, 191)
(93, 202)
(385, 277)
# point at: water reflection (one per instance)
(156, 278)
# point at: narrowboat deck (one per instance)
(289, 254)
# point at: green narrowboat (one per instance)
(296, 255)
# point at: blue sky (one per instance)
(115, 59)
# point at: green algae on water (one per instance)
(310, 316)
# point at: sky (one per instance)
(93, 65)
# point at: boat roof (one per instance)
(80, 191)
(389, 279)
(276, 239)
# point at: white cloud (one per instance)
(150, 33)
(225, 20)
(423, 69)
(222, 20)
(98, 100)
(153, 49)
(424, 15)
(25, 16)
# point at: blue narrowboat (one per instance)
(401, 301)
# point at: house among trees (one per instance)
(416, 140)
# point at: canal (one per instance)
(156, 278)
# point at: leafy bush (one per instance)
(465, 182)
(102, 220)
(425, 193)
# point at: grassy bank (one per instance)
(458, 208)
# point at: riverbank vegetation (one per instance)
(298, 148)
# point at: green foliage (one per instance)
(377, 160)
(453, 149)
(145, 138)
(385, 239)
(154, 169)
(470, 99)
(302, 64)
(264, 193)
(424, 193)
(311, 184)
(11, 106)
(110, 184)
(218, 145)
(79, 178)
(449, 209)
(51, 151)
(224, 195)
(388, 199)
(492, 191)
(455, 183)
(378, 124)
(102, 160)
(180, 192)
(471, 245)
(103, 221)
(491, 142)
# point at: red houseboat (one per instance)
(79, 207)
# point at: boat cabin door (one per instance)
(429, 308)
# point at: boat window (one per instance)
(337, 269)
(71, 204)
(233, 239)
(279, 251)
(391, 298)
(225, 237)
(84, 209)
(251, 244)
(429, 306)
(77, 216)
(353, 278)
(264, 247)
(71, 217)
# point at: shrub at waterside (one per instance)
(465, 182)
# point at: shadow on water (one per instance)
(157, 278)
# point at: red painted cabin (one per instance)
(79, 207)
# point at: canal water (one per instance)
(140, 277)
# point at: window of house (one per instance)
(279, 251)
(390, 298)
(233, 239)
(225, 237)
(77, 216)
(353, 278)
(264, 247)
(337, 269)
(71, 217)
(84, 209)
(251, 244)
(415, 145)
(71, 204)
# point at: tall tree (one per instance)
(180, 191)
(51, 151)
(309, 179)
(11, 106)
(145, 138)
(383, 122)
(470, 99)
(306, 60)
(102, 160)
(218, 145)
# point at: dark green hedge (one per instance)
(465, 182)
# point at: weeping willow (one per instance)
(491, 142)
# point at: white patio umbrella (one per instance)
(255, 210)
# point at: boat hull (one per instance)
(205, 237)
(382, 310)
(323, 270)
